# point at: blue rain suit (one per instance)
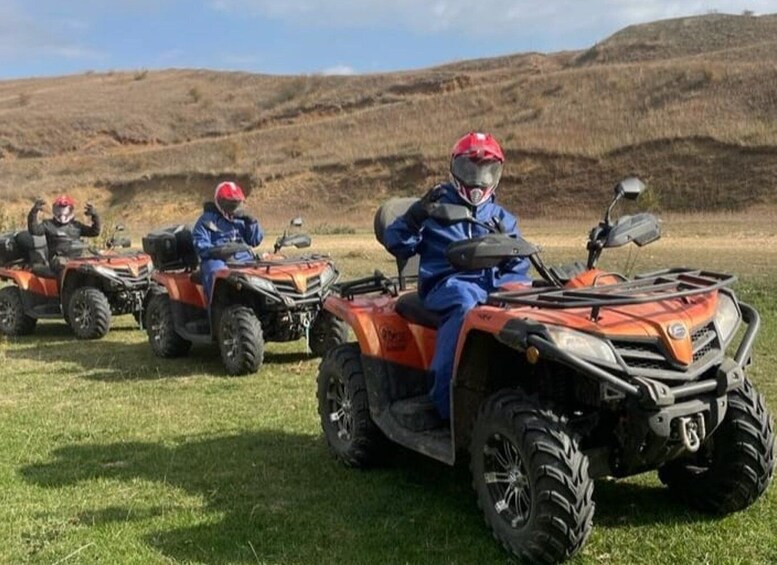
(446, 291)
(212, 230)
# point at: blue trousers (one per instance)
(452, 299)
(208, 269)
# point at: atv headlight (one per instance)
(582, 344)
(727, 317)
(263, 284)
(106, 272)
(328, 276)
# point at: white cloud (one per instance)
(339, 70)
(22, 36)
(486, 16)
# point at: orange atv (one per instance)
(272, 298)
(91, 287)
(585, 374)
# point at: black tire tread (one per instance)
(101, 312)
(251, 339)
(328, 331)
(368, 445)
(23, 324)
(562, 516)
(739, 475)
(170, 344)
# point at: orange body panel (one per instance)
(296, 273)
(382, 333)
(110, 259)
(181, 288)
(650, 320)
(593, 277)
(26, 280)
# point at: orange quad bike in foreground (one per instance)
(92, 286)
(585, 374)
(273, 298)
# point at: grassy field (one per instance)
(108, 454)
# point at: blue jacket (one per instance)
(433, 239)
(213, 230)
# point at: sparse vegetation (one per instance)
(140, 74)
(330, 229)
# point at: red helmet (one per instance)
(476, 166)
(228, 197)
(63, 209)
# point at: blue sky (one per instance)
(55, 37)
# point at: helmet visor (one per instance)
(63, 214)
(229, 206)
(476, 174)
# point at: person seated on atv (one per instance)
(475, 170)
(62, 230)
(223, 221)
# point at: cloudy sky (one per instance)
(53, 37)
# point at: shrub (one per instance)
(140, 75)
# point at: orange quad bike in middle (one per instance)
(272, 298)
(584, 374)
(93, 286)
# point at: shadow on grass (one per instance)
(278, 497)
(112, 360)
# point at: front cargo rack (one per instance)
(666, 284)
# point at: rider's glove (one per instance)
(38, 206)
(245, 216)
(417, 214)
(90, 210)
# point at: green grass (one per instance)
(109, 454)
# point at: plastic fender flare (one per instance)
(360, 321)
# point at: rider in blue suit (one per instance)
(224, 221)
(476, 167)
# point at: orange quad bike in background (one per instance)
(92, 286)
(585, 374)
(273, 298)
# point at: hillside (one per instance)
(688, 104)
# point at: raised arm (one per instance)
(34, 226)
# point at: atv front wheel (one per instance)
(344, 409)
(160, 326)
(89, 313)
(734, 467)
(327, 331)
(13, 320)
(531, 479)
(240, 340)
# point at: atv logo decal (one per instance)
(677, 331)
(393, 339)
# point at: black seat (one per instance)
(411, 308)
(196, 277)
(43, 271)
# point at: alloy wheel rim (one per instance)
(507, 481)
(7, 314)
(340, 409)
(83, 314)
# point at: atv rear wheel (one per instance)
(13, 320)
(160, 327)
(89, 313)
(734, 467)
(343, 406)
(241, 341)
(327, 331)
(531, 479)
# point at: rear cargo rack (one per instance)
(377, 282)
(667, 284)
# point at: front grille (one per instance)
(287, 288)
(142, 278)
(643, 356)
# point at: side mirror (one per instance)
(296, 222)
(449, 213)
(629, 188)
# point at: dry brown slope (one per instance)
(700, 125)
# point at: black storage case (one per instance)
(9, 250)
(171, 248)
